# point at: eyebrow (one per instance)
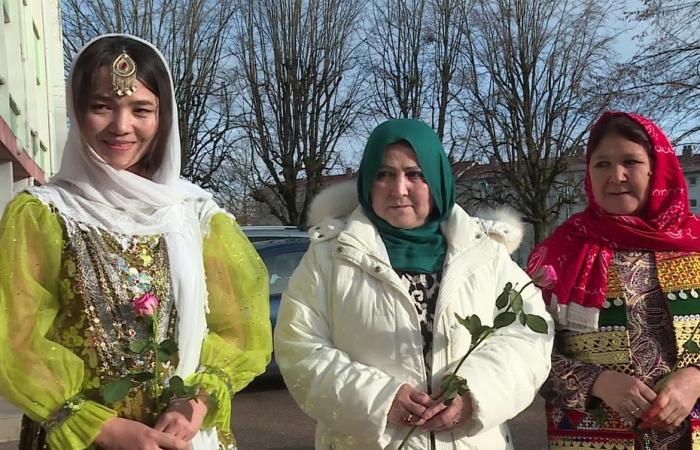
(384, 166)
(108, 98)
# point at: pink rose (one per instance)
(544, 277)
(146, 305)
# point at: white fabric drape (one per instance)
(91, 193)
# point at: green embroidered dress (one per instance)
(67, 321)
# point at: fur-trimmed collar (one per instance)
(336, 202)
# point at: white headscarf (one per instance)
(93, 194)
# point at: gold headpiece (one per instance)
(124, 74)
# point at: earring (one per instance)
(650, 172)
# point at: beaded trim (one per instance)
(68, 409)
(602, 347)
(571, 444)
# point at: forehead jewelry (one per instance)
(124, 74)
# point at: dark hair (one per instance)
(150, 71)
(623, 126)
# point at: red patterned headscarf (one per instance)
(581, 249)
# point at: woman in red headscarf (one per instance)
(627, 299)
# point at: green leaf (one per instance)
(142, 376)
(177, 386)
(474, 324)
(463, 389)
(462, 321)
(502, 299)
(167, 350)
(164, 356)
(485, 330)
(504, 319)
(691, 346)
(516, 301)
(165, 396)
(451, 387)
(168, 345)
(523, 318)
(536, 323)
(449, 394)
(116, 390)
(138, 346)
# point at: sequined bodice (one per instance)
(101, 277)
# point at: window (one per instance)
(6, 10)
(38, 57)
(280, 267)
(693, 203)
(692, 181)
(14, 117)
(35, 143)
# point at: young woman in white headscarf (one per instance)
(113, 257)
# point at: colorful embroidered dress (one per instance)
(645, 320)
(626, 300)
(67, 321)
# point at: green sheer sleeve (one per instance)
(239, 342)
(38, 375)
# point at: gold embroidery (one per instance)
(614, 287)
(678, 271)
(574, 444)
(682, 329)
(602, 347)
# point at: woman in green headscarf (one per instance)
(367, 328)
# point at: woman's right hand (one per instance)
(408, 406)
(124, 434)
(625, 394)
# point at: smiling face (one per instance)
(620, 171)
(120, 129)
(400, 194)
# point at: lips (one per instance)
(119, 146)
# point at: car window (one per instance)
(280, 269)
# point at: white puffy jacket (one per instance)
(348, 336)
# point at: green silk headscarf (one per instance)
(420, 249)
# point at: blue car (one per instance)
(281, 258)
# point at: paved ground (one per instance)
(266, 418)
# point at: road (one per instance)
(266, 418)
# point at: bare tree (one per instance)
(664, 77)
(414, 48)
(534, 75)
(397, 64)
(193, 35)
(298, 59)
(447, 19)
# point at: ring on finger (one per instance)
(408, 418)
(635, 411)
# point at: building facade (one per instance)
(33, 123)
